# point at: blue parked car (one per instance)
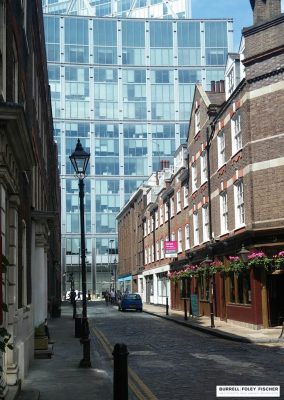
(130, 301)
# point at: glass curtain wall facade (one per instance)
(120, 8)
(124, 87)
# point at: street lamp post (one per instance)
(115, 274)
(207, 262)
(79, 159)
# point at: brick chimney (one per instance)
(265, 10)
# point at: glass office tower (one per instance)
(124, 87)
(120, 8)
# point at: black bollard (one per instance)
(78, 326)
(167, 306)
(185, 310)
(120, 372)
(74, 309)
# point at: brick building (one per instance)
(223, 205)
(29, 185)
(240, 202)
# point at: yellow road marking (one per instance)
(137, 386)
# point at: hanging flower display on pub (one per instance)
(259, 258)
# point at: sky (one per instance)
(239, 10)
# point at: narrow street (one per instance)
(167, 361)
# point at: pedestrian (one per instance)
(107, 297)
(112, 297)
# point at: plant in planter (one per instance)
(279, 261)
(259, 259)
(216, 266)
(237, 265)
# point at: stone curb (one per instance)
(217, 333)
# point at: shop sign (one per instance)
(170, 248)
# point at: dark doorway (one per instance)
(275, 299)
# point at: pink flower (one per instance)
(256, 254)
(234, 259)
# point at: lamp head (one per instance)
(206, 262)
(79, 159)
(243, 254)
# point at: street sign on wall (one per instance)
(170, 248)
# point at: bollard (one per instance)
(78, 326)
(167, 306)
(185, 310)
(120, 372)
(74, 309)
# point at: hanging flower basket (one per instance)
(278, 262)
(259, 259)
(216, 266)
(237, 265)
(188, 272)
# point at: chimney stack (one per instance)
(265, 10)
(217, 86)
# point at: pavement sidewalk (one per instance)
(60, 377)
(225, 330)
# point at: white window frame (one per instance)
(239, 204)
(221, 148)
(223, 213)
(236, 132)
(231, 81)
(197, 120)
(205, 223)
(145, 228)
(157, 251)
(179, 240)
(146, 256)
(185, 196)
(172, 199)
(178, 201)
(203, 165)
(166, 214)
(194, 176)
(173, 236)
(195, 229)
(187, 236)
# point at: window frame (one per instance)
(239, 203)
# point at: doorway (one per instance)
(275, 284)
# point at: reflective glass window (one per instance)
(106, 130)
(216, 34)
(161, 34)
(107, 166)
(105, 223)
(133, 34)
(133, 166)
(188, 34)
(77, 129)
(105, 41)
(51, 28)
(189, 75)
(76, 40)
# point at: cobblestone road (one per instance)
(177, 363)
